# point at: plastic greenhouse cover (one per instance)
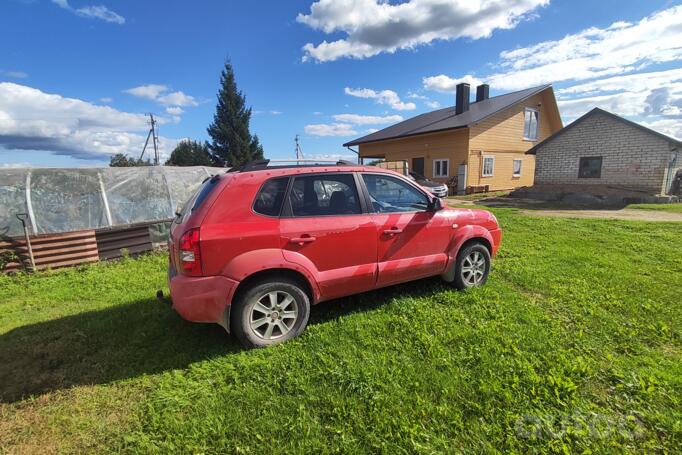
(61, 200)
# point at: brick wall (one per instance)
(631, 157)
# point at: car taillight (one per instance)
(189, 253)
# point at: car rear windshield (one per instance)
(198, 198)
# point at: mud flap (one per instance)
(224, 321)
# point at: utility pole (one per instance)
(155, 138)
(299, 151)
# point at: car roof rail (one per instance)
(264, 164)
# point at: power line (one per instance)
(299, 151)
(155, 138)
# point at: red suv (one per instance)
(256, 246)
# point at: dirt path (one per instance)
(613, 214)
(623, 214)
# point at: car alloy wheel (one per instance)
(273, 315)
(473, 268)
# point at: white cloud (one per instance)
(175, 110)
(657, 93)
(593, 53)
(317, 113)
(375, 26)
(627, 103)
(31, 119)
(371, 130)
(106, 99)
(162, 95)
(14, 74)
(101, 12)
(416, 96)
(425, 99)
(387, 97)
(333, 129)
(670, 127)
(150, 91)
(443, 83)
(616, 68)
(367, 119)
(660, 102)
(92, 12)
(630, 82)
(177, 99)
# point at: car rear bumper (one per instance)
(201, 299)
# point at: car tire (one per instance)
(472, 266)
(269, 313)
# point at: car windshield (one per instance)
(417, 176)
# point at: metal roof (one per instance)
(597, 110)
(447, 119)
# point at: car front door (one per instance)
(412, 240)
(326, 229)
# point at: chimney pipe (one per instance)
(462, 98)
(482, 92)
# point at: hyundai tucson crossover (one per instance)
(255, 247)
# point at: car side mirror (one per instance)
(435, 204)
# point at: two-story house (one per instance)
(481, 143)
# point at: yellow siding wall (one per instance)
(501, 136)
(453, 145)
(503, 170)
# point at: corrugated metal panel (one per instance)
(54, 250)
(135, 239)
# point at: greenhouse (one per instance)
(64, 200)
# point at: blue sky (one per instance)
(77, 76)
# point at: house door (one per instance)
(418, 165)
(461, 178)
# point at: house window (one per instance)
(441, 168)
(530, 124)
(488, 166)
(517, 168)
(589, 167)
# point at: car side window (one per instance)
(324, 194)
(390, 195)
(270, 197)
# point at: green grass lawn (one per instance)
(574, 346)
(675, 207)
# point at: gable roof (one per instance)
(595, 111)
(447, 118)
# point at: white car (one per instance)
(435, 188)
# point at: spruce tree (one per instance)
(232, 141)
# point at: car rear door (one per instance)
(325, 228)
(412, 240)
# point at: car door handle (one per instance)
(302, 240)
(393, 231)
